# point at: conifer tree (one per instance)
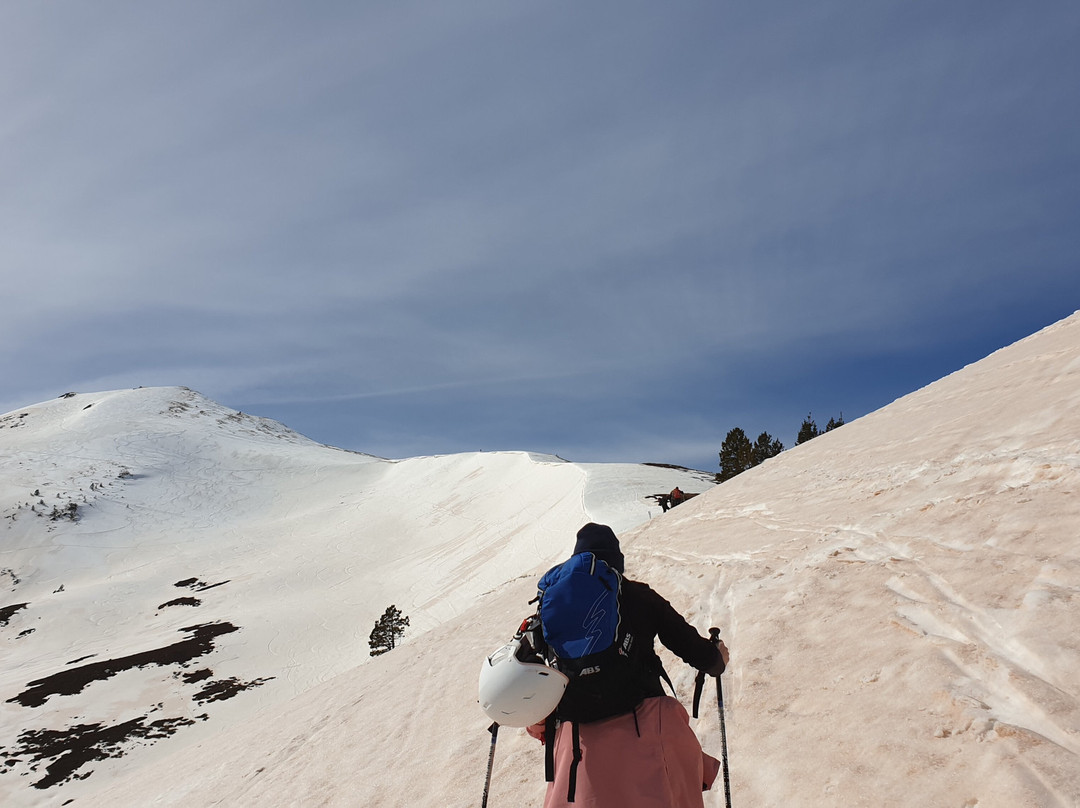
(388, 629)
(765, 447)
(736, 454)
(809, 430)
(834, 423)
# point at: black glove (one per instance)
(722, 658)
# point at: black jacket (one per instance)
(615, 680)
(648, 616)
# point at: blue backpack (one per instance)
(580, 617)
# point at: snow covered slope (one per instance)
(901, 597)
(168, 567)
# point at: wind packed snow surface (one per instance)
(901, 597)
(169, 568)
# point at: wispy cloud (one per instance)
(352, 202)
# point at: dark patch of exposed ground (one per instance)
(72, 748)
(224, 689)
(197, 585)
(181, 602)
(73, 680)
(6, 612)
(65, 752)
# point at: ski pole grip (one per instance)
(714, 635)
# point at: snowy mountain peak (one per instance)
(93, 416)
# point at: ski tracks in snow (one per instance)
(1001, 621)
(1000, 672)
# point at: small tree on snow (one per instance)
(765, 447)
(736, 455)
(388, 629)
(808, 431)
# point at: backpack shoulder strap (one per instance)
(549, 754)
(549, 750)
(571, 790)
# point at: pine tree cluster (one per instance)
(809, 429)
(737, 453)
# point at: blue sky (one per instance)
(610, 231)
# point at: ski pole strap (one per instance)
(699, 685)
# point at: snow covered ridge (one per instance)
(168, 567)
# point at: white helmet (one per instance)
(515, 693)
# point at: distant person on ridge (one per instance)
(676, 496)
(640, 751)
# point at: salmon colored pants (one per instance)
(655, 762)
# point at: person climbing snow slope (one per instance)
(644, 754)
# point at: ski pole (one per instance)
(494, 730)
(714, 635)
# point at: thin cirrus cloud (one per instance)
(494, 209)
